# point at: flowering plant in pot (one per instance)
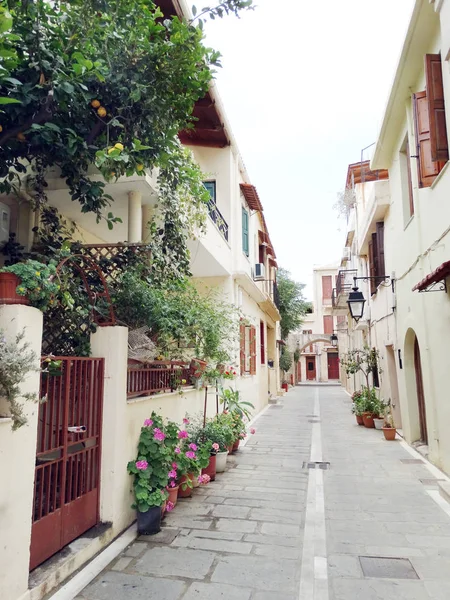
(358, 406)
(32, 284)
(224, 439)
(151, 472)
(190, 459)
(389, 429)
(204, 435)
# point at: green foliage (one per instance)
(296, 355)
(36, 282)
(232, 402)
(17, 361)
(223, 8)
(367, 400)
(285, 360)
(156, 456)
(293, 305)
(215, 431)
(178, 317)
(364, 361)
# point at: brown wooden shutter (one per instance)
(427, 169)
(242, 347)
(380, 250)
(373, 287)
(436, 107)
(328, 324)
(327, 287)
(252, 350)
(262, 330)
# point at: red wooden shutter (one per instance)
(252, 350)
(242, 347)
(327, 287)
(328, 324)
(262, 341)
(427, 169)
(436, 107)
(380, 250)
(373, 287)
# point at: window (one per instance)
(247, 335)
(376, 257)
(245, 234)
(405, 174)
(328, 324)
(327, 287)
(307, 331)
(211, 187)
(429, 120)
(262, 339)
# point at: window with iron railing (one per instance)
(214, 213)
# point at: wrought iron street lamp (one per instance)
(356, 298)
(334, 340)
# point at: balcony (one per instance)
(344, 284)
(218, 219)
(271, 303)
(378, 200)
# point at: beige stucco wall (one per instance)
(17, 460)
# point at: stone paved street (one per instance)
(270, 529)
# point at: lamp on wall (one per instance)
(334, 340)
(356, 298)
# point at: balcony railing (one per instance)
(151, 378)
(275, 294)
(217, 219)
(344, 281)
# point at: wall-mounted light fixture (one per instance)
(356, 298)
(334, 340)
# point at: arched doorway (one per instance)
(420, 393)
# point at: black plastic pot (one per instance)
(149, 522)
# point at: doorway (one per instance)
(333, 365)
(393, 384)
(420, 394)
(311, 368)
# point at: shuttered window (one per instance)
(408, 172)
(328, 324)
(245, 232)
(429, 119)
(376, 257)
(252, 350)
(327, 287)
(247, 339)
(262, 340)
(242, 347)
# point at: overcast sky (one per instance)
(304, 84)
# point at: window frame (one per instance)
(213, 190)
(245, 232)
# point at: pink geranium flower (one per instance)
(252, 430)
(172, 484)
(141, 465)
(174, 465)
(204, 479)
(148, 423)
(191, 454)
(193, 447)
(186, 421)
(177, 450)
(182, 434)
(215, 446)
(158, 434)
(170, 506)
(172, 474)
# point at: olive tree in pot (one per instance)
(389, 428)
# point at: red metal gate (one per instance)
(67, 475)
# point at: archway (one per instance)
(415, 389)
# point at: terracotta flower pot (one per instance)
(359, 419)
(8, 285)
(236, 445)
(211, 468)
(368, 420)
(389, 433)
(230, 448)
(173, 494)
(187, 491)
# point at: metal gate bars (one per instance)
(67, 474)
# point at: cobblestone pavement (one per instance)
(271, 528)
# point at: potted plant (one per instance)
(29, 282)
(225, 440)
(369, 406)
(378, 418)
(203, 439)
(190, 459)
(151, 473)
(357, 406)
(389, 428)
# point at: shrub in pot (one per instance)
(30, 282)
(151, 473)
(189, 458)
(224, 439)
(358, 406)
(389, 429)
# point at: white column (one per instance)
(111, 343)
(147, 214)
(17, 460)
(134, 216)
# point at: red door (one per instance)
(333, 365)
(311, 368)
(67, 474)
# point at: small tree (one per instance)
(293, 305)
(285, 360)
(363, 361)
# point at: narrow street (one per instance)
(271, 528)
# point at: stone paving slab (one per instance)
(242, 536)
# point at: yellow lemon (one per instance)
(101, 111)
(110, 150)
(1, 128)
(118, 146)
(139, 167)
(38, 273)
(95, 103)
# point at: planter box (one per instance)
(8, 286)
